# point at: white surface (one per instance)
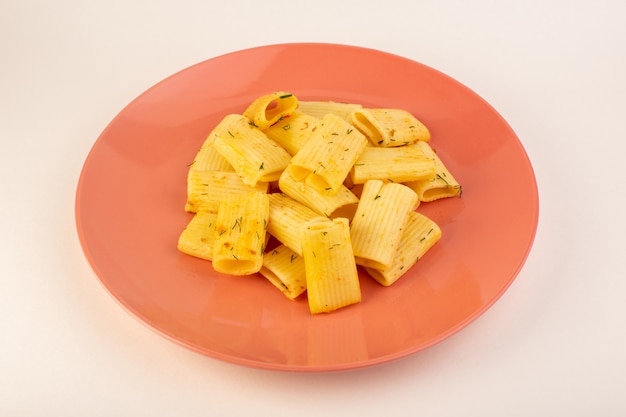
(554, 344)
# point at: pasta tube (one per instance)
(198, 237)
(399, 164)
(326, 159)
(331, 275)
(378, 222)
(208, 158)
(285, 269)
(205, 189)
(253, 155)
(418, 236)
(389, 127)
(319, 109)
(288, 218)
(441, 185)
(240, 229)
(268, 109)
(293, 132)
(344, 201)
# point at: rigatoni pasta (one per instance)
(390, 127)
(397, 164)
(285, 270)
(205, 189)
(377, 226)
(328, 156)
(331, 276)
(418, 235)
(240, 229)
(268, 109)
(253, 155)
(335, 186)
(343, 202)
(441, 185)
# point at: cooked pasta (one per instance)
(285, 269)
(397, 164)
(268, 109)
(253, 155)
(321, 108)
(326, 159)
(418, 236)
(377, 225)
(343, 202)
(441, 185)
(293, 132)
(390, 127)
(240, 229)
(337, 186)
(288, 218)
(205, 189)
(198, 237)
(331, 275)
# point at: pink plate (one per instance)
(132, 191)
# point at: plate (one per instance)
(132, 190)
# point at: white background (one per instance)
(553, 345)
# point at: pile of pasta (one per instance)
(335, 184)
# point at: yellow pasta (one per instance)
(240, 229)
(208, 158)
(253, 155)
(198, 237)
(293, 132)
(343, 202)
(418, 236)
(377, 225)
(398, 164)
(285, 270)
(205, 189)
(288, 218)
(268, 109)
(321, 108)
(331, 275)
(390, 127)
(326, 159)
(441, 185)
(347, 182)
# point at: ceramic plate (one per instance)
(132, 191)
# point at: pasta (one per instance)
(321, 108)
(441, 185)
(390, 127)
(285, 269)
(342, 203)
(253, 155)
(398, 164)
(270, 108)
(335, 184)
(205, 189)
(378, 222)
(240, 229)
(326, 159)
(293, 132)
(331, 276)
(288, 218)
(418, 236)
(198, 237)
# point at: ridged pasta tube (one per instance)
(418, 236)
(379, 220)
(268, 109)
(331, 275)
(390, 127)
(240, 230)
(253, 156)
